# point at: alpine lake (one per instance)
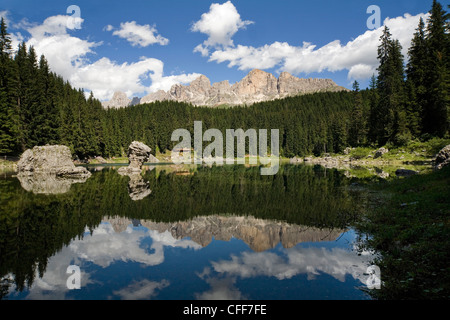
(186, 232)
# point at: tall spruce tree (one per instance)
(357, 131)
(390, 123)
(8, 129)
(416, 90)
(437, 78)
(372, 125)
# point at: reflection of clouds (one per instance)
(52, 285)
(221, 288)
(103, 248)
(106, 246)
(336, 262)
(140, 290)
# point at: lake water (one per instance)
(183, 232)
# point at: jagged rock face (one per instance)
(159, 95)
(259, 234)
(119, 100)
(288, 85)
(257, 86)
(55, 160)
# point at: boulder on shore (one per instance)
(443, 157)
(55, 160)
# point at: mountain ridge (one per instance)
(256, 86)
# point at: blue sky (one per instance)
(140, 46)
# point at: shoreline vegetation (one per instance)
(414, 154)
(406, 222)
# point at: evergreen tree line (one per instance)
(412, 102)
(38, 107)
(403, 102)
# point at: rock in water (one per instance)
(138, 153)
(443, 157)
(56, 160)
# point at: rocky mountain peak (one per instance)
(257, 82)
(119, 100)
(256, 86)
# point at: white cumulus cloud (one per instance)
(220, 23)
(139, 35)
(358, 56)
(71, 57)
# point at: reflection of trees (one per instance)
(33, 227)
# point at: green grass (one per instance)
(408, 223)
(414, 150)
(360, 153)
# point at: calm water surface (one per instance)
(178, 232)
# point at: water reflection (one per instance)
(215, 232)
(118, 242)
(258, 234)
(43, 183)
(312, 262)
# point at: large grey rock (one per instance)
(55, 160)
(138, 154)
(443, 157)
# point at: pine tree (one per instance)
(390, 113)
(373, 125)
(357, 130)
(8, 132)
(436, 78)
(5, 39)
(415, 84)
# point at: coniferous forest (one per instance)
(408, 99)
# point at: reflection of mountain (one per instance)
(259, 234)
